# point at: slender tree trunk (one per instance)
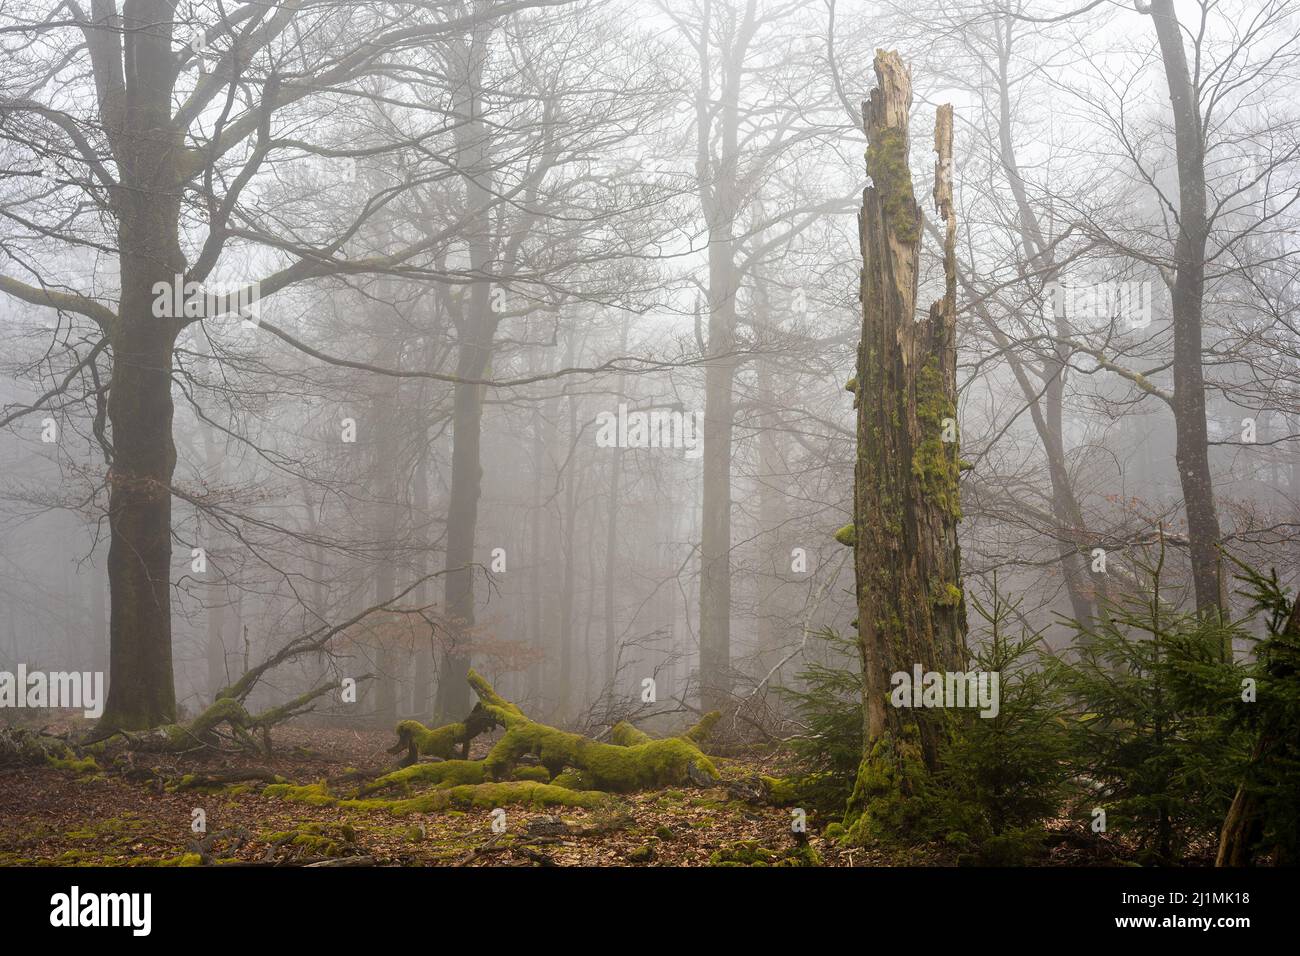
(99, 620)
(569, 533)
(715, 543)
(1047, 412)
(1193, 453)
(720, 201)
(477, 329)
(462, 521)
(774, 561)
(911, 610)
(215, 644)
(589, 656)
(422, 690)
(611, 533)
(384, 467)
(536, 560)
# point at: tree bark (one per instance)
(568, 545)
(718, 120)
(422, 687)
(720, 203)
(386, 417)
(537, 557)
(137, 116)
(1192, 453)
(774, 554)
(1047, 414)
(477, 329)
(611, 533)
(215, 647)
(911, 609)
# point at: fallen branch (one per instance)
(418, 740)
(580, 763)
(228, 713)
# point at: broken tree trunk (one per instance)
(639, 765)
(570, 770)
(634, 761)
(906, 506)
(441, 742)
(228, 713)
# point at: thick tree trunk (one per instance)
(911, 610)
(142, 692)
(1192, 452)
(1242, 829)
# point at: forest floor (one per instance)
(53, 816)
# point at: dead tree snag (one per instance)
(911, 608)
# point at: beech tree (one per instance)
(164, 150)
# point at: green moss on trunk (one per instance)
(888, 168)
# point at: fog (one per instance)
(516, 335)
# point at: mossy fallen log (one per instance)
(527, 793)
(443, 773)
(230, 714)
(623, 734)
(220, 779)
(640, 763)
(19, 746)
(441, 742)
(571, 770)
